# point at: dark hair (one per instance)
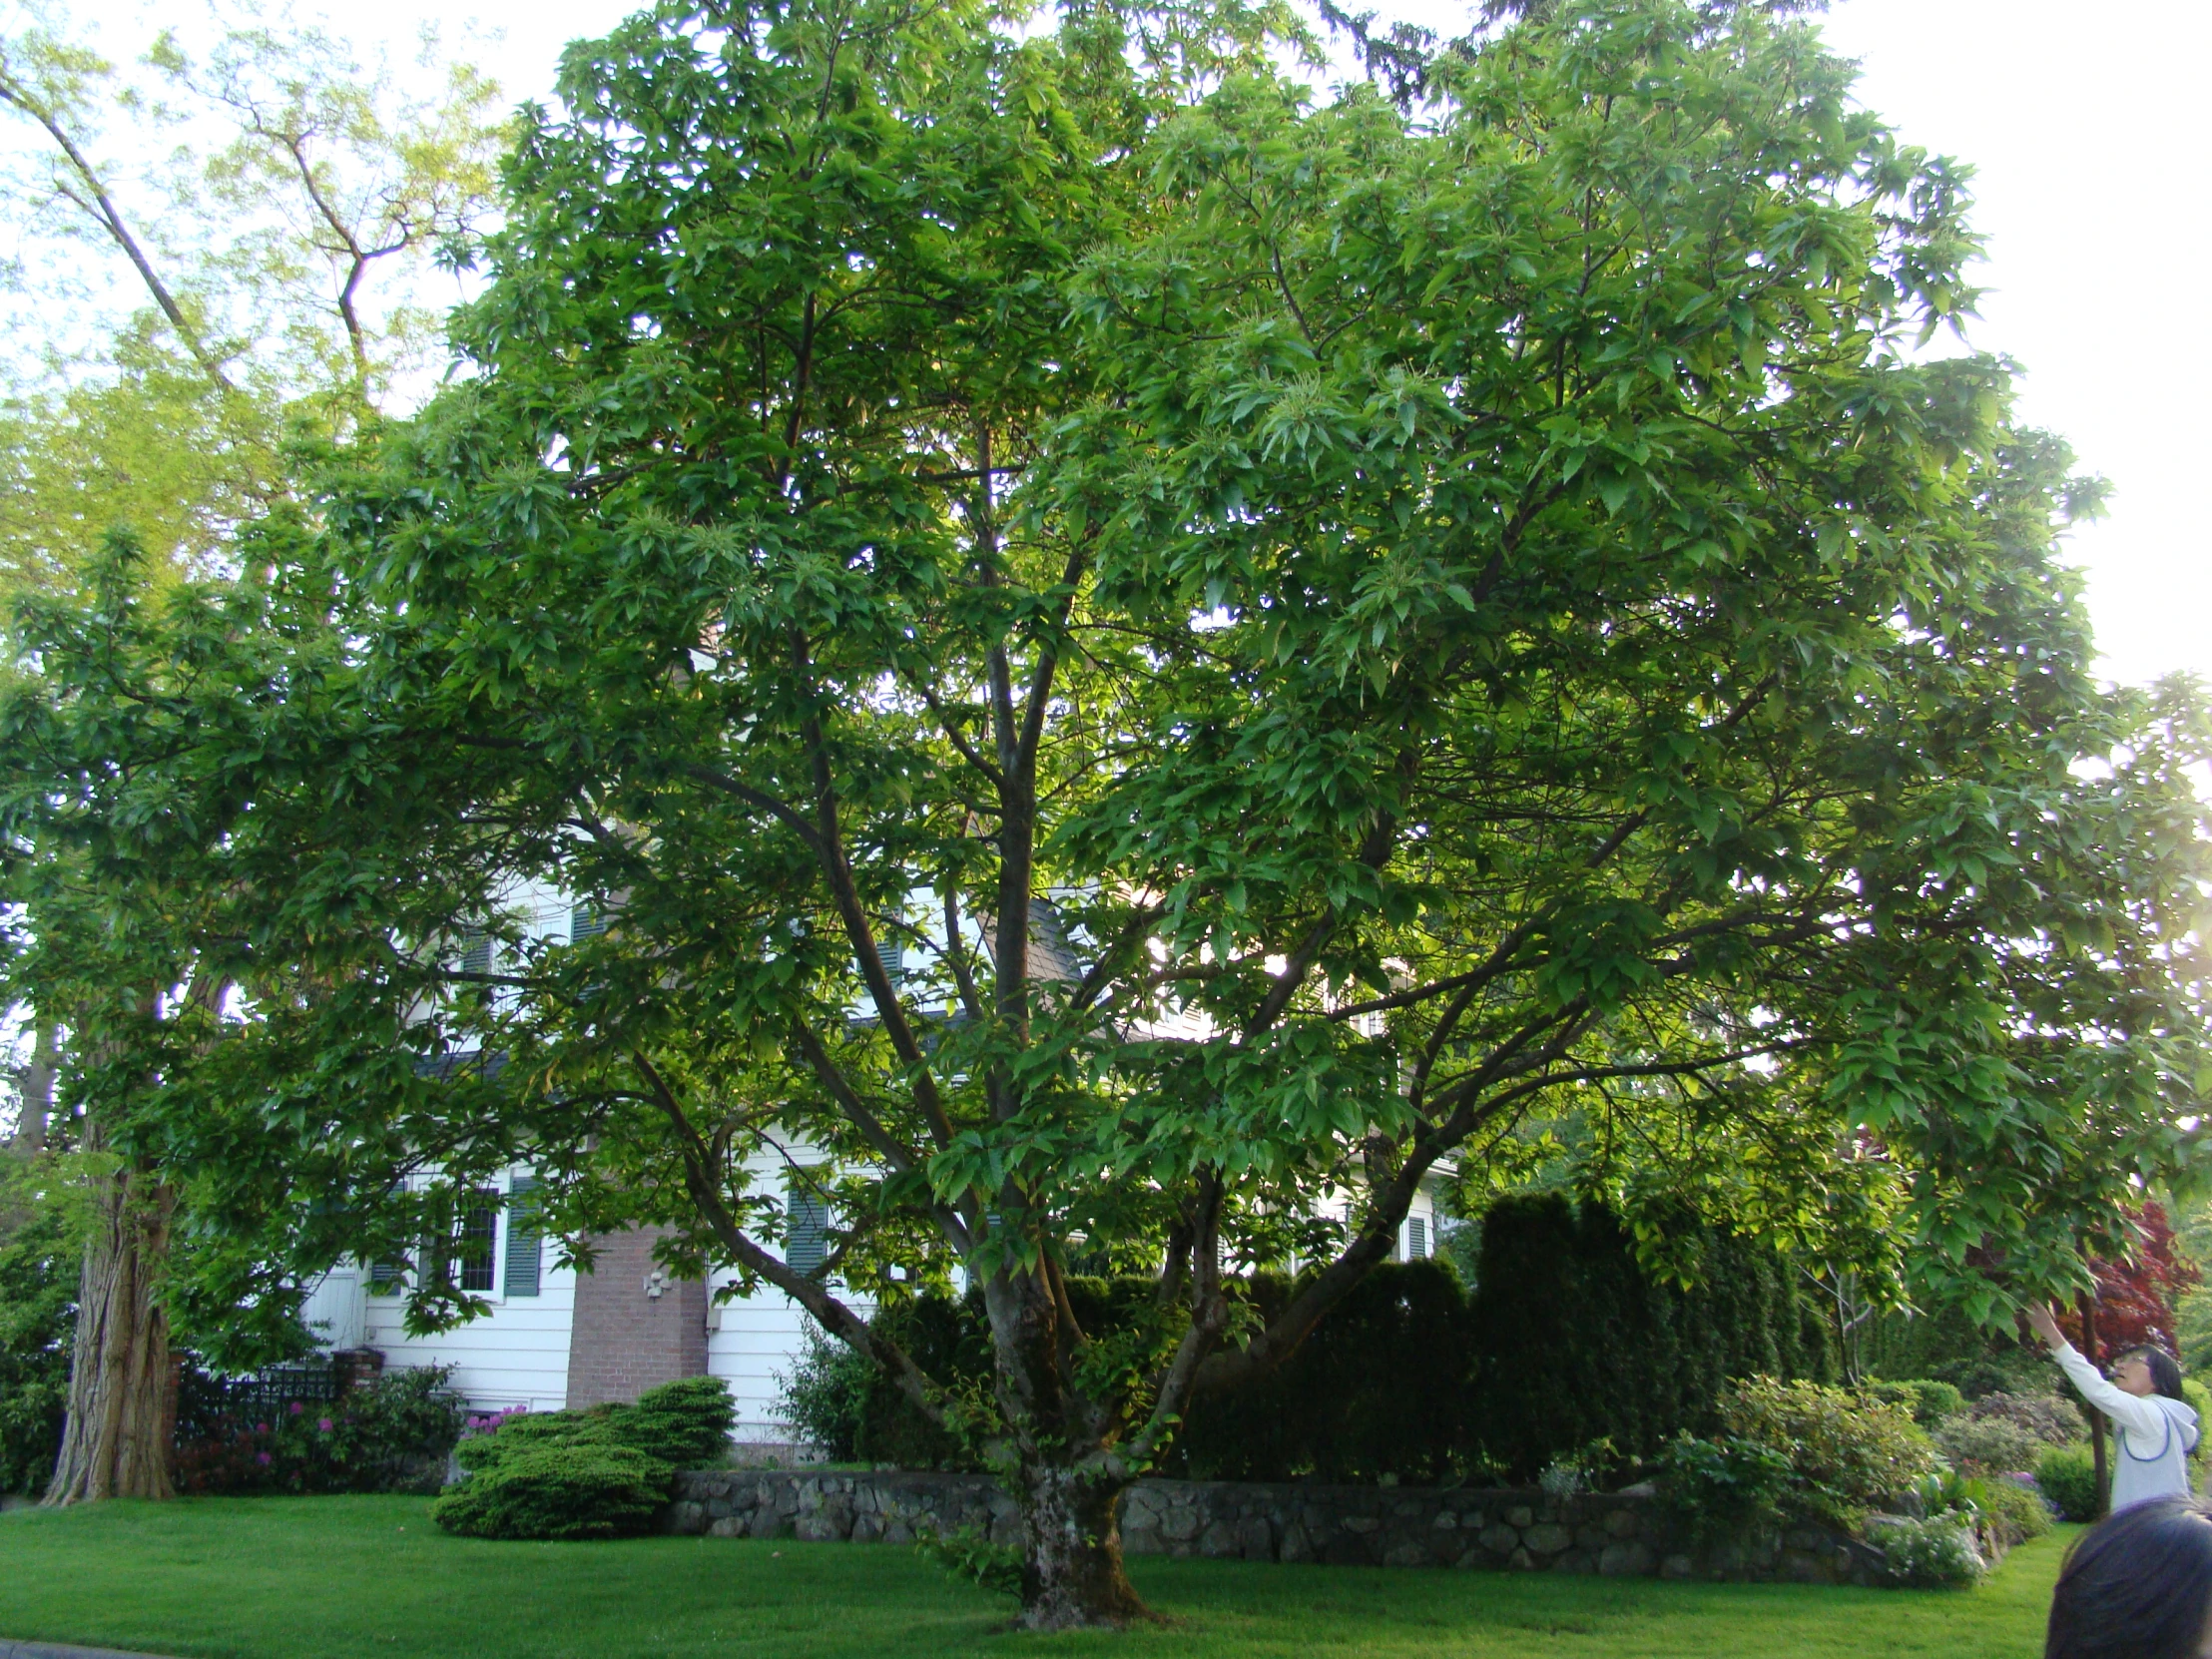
(2137, 1585)
(2165, 1374)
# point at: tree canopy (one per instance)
(1140, 659)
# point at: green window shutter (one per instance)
(891, 951)
(586, 922)
(384, 1278)
(806, 1228)
(475, 952)
(525, 1242)
(1417, 1238)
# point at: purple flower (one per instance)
(296, 1409)
(261, 1428)
(324, 1423)
(260, 1456)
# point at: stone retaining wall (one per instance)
(1620, 1534)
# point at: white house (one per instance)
(557, 1337)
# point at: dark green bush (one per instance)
(1576, 1342)
(1384, 1386)
(1566, 1342)
(1724, 1487)
(558, 1489)
(950, 1341)
(2068, 1476)
(825, 1395)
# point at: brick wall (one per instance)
(622, 1340)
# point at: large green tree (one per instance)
(1132, 653)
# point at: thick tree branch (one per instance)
(701, 1181)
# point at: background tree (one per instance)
(255, 267)
(1134, 657)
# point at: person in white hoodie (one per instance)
(2154, 1428)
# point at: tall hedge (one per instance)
(1565, 1340)
(1385, 1387)
(1577, 1343)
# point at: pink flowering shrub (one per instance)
(390, 1433)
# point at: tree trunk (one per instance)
(2088, 1308)
(1072, 1575)
(36, 1094)
(122, 1381)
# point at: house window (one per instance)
(586, 922)
(525, 1242)
(1417, 1238)
(807, 1228)
(473, 1255)
(475, 951)
(384, 1278)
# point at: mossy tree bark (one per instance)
(1072, 1574)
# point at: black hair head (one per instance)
(2137, 1585)
(2165, 1371)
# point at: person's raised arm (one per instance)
(2134, 1412)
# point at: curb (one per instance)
(58, 1651)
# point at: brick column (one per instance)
(623, 1340)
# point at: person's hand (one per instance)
(2045, 1326)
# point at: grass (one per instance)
(318, 1578)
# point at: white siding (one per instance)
(759, 1341)
(517, 1354)
(514, 1356)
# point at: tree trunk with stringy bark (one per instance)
(122, 1382)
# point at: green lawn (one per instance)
(318, 1578)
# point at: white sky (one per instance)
(2090, 151)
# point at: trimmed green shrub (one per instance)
(558, 1489)
(1848, 1453)
(527, 1431)
(685, 1423)
(597, 1474)
(2067, 1476)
